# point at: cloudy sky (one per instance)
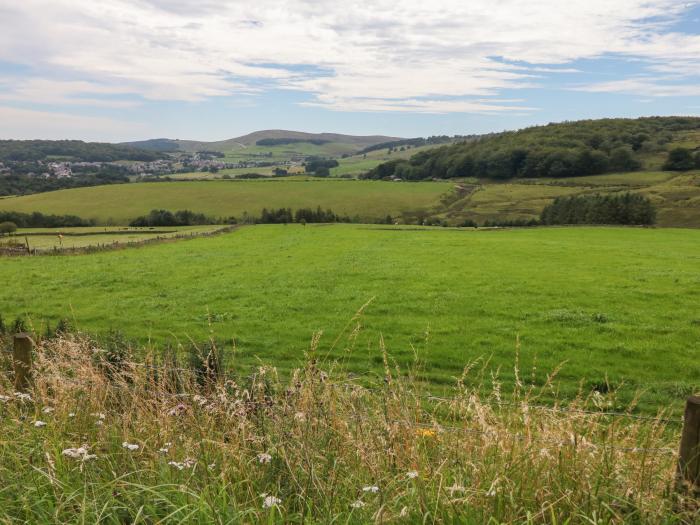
(209, 69)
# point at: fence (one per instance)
(688, 469)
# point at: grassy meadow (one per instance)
(99, 439)
(618, 307)
(120, 203)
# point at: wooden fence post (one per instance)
(688, 477)
(22, 360)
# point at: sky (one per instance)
(117, 70)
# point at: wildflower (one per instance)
(130, 446)
(370, 488)
(75, 453)
(271, 501)
(47, 410)
(412, 474)
(71, 414)
(98, 415)
(425, 432)
(177, 410)
(164, 450)
(357, 504)
(39, 424)
(79, 453)
(176, 464)
(264, 458)
(99, 422)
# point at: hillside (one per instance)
(359, 142)
(567, 149)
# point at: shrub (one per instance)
(680, 159)
(7, 227)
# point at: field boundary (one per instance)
(16, 250)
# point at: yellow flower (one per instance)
(425, 432)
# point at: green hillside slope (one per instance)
(556, 150)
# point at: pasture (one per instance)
(118, 204)
(618, 307)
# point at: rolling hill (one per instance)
(245, 141)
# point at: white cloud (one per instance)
(377, 55)
(18, 123)
(652, 87)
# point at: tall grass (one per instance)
(154, 442)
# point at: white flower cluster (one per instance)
(81, 453)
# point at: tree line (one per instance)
(32, 150)
(625, 209)
(301, 215)
(168, 218)
(284, 141)
(25, 184)
(40, 220)
(415, 142)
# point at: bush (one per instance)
(680, 159)
(319, 167)
(7, 227)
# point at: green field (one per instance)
(120, 203)
(612, 304)
(676, 197)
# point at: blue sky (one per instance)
(133, 69)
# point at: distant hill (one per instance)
(567, 149)
(357, 142)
